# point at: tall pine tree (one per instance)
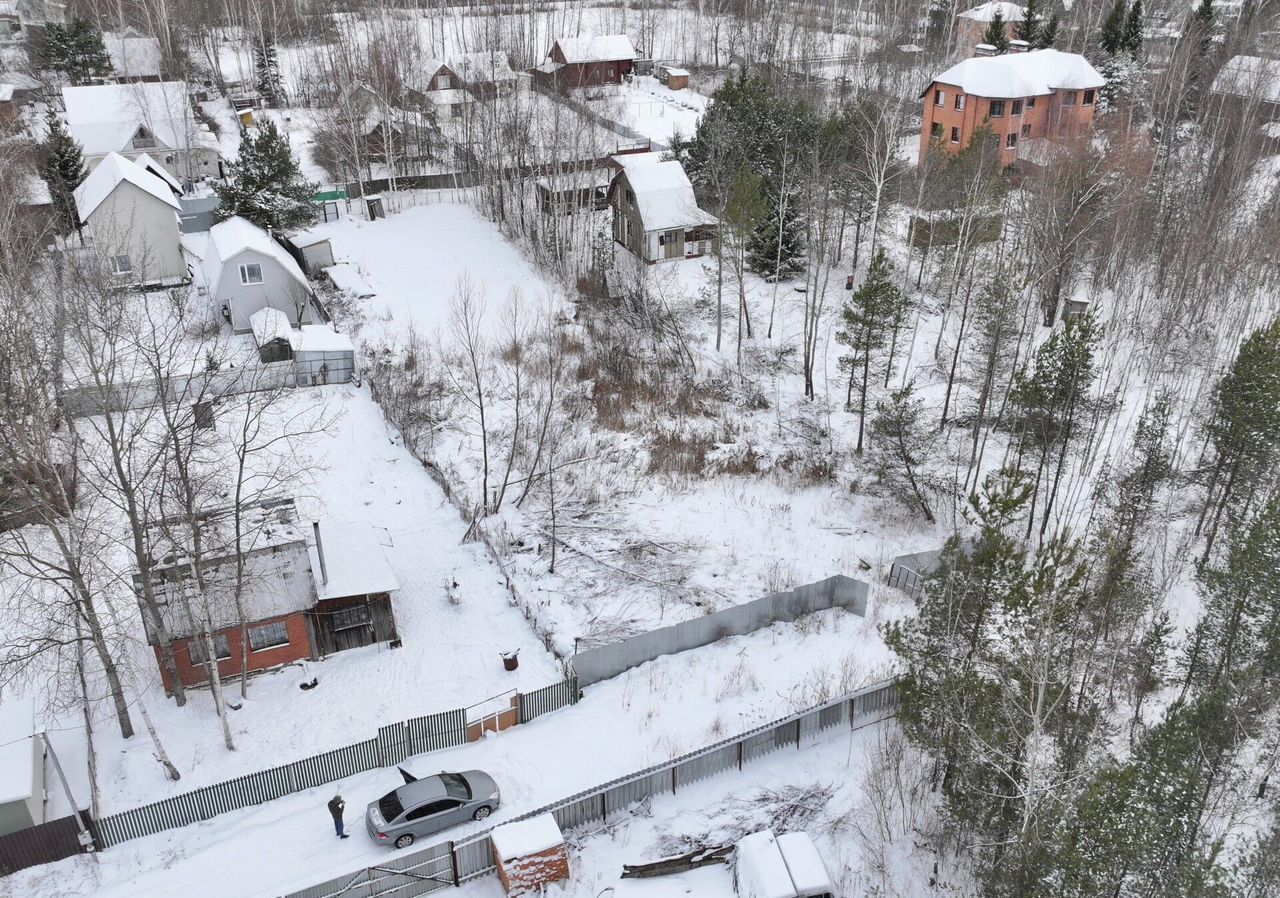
(1029, 28)
(1132, 41)
(75, 50)
(1112, 39)
(995, 34)
(866, 320)
(1048, 35)
(266, 65)
(266, 185)
(62, 168)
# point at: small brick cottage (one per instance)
(298, 600)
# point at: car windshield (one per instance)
(389, 806)
(455, 786)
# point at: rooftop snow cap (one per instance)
(1010, 12)
(112, 171)
(603, 48)
(1033, 74)
(664, 196)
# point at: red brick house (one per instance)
(576, 62)
(291, 611)
(1028, 99)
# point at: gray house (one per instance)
(21, 767)
(246, 270)
(131, 216)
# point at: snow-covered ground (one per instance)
(650, 714)
(650, 108)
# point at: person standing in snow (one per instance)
(336, 807)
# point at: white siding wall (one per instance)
(132, 222)
(277, 290)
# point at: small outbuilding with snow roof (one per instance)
(655, 213)
(131, 218)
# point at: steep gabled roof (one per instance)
(133, 55)
(602, 48)
(110, 173)
(155, 168)
(1013, 75)
(105, 117)
(487, 67)
(420, 77)
(230, 238)
(664, 195)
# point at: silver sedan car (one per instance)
(429, 805)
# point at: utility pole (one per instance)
(85, 837)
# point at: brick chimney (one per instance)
(1017, 46)
(984, 50)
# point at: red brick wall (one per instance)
(1048, 118)
(298, 648)
(525, 875)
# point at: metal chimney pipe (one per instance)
(324, 573)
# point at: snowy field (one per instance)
(650, 714)
(650, 108)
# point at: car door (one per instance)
(425, 818)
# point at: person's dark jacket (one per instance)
(336, 806)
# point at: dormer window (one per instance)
(143, 139)
(443, 82)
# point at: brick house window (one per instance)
(1068, 98)
(955, 135)
(935, 130)
(1011, 141)
(997, 109)
(1026, 130)
(939, 97)
(959, 102)
(1017, 108)
(1031, 102)
(268, 636)
(196, 648)
(1088, 97)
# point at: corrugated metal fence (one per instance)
(453, 863)
(50, 841)
(607, 661)
(393, 744)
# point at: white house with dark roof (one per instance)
(246, 270)
(153, 118)
(655, 212)
(131, 217)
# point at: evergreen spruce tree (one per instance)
(1048, 34)
(75, 50)
(267, 71)
(1029, 28)
(902, 442)
(1112, 38)
(266, 185)
(865, 323)
(995, 34)
(62, 168)
(1132, 42)
(763, 255)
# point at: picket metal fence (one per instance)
(394, 743)
(454, 862)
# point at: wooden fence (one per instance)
(393, 744)
(455, 862)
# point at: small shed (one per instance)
(311, 251)
(673, 77)
(323, 356)
(273, 334)
(530, 854)
(354, 583)
(21, 767)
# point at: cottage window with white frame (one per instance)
(121, 264)
(251, 273)
(267, 636)
(221, 647)
(442, 81)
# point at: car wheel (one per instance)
(404, 841)
(481, 813)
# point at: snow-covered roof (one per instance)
(1037, 73)
(808, 872)
(17, 756)
(321, 338)
(155, 168)
(133, 55)
(6, 93)
(761, 871)
(449, 96)
(347, 279)
(1251, 77)
(664, 195)
(269, 324)
(113, 171)
(526, 838)
(230, 238)
(19, 80)
(421, 76)
(1010, 12)
(601, 48)
(354, 561)
(482, 68)
(105, 117)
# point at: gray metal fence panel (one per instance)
(547, 699)
(433, 732)
(575, 813)
(703, 766)
(353, 885)
(393, 744)
(474, 858)
(603, 662)
(625, 794)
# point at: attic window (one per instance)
(442, 82)
(251, 273)
(143, 139)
